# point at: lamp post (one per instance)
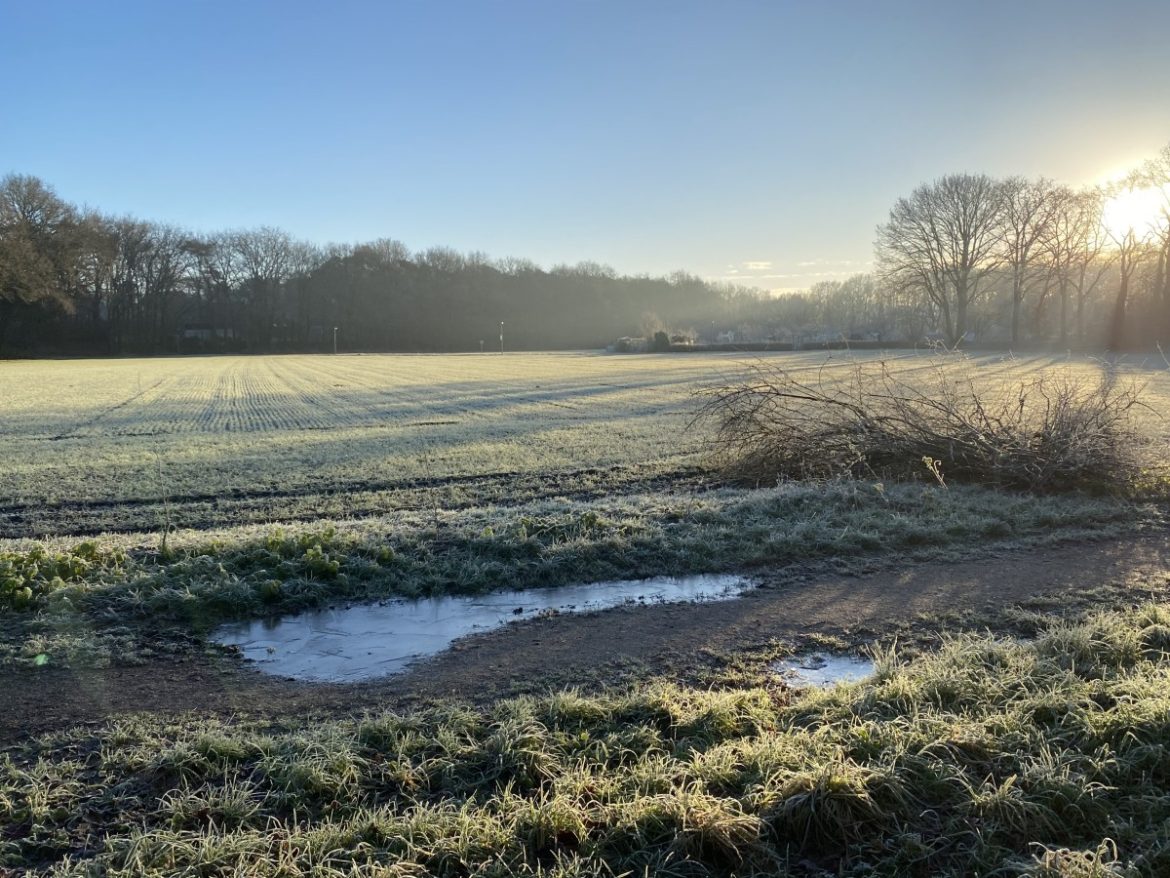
(335, 339)
(501, 336)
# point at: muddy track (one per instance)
(357, 499)
(593, 650)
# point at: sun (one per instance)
(1135, 211)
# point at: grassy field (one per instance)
(230, 487)
(142, 502)
(274, 438)
(124, 445)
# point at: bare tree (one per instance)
(1156, 175)
(941, 242)
(95, 266)
(1131, 243)
(149, 279)
(1077, 254)
(261, 261)
(1091, 256)
(212, 275)
(304, 259)
(1029, 210)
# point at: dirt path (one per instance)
(565, 650)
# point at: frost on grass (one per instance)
(295, 438)
(1045, 758)
(132, 593)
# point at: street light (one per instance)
(501, 336)
(335, 339)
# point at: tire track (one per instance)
(87, 424)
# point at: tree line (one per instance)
(1008, 262)
(80, 281)
(964, 259)
(1037, 260)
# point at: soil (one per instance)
(591, 650)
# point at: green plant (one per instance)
(26, 576)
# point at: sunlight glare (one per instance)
(1134, 210)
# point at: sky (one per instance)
(757, 143)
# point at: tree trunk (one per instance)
(5, 319)
(1064, 313)
(947, 322)
(960, 320)
(1117, 328)
(1017, 305)
(1162, 288)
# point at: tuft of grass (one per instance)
(26, 576)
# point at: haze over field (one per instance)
(386, 387)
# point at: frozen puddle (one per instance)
(374, 640)
(822, 670)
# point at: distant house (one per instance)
(200, 338)
(628, 345)
(205, 332)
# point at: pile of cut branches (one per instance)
(1050, 432)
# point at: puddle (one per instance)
(822, 670)
(374, 640)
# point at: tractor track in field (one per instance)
(80, 428)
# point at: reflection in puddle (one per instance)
(822, 670)
(374, 640)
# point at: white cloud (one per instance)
(830, 263)
(796, 276)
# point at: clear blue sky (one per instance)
(649, 135)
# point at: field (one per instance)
(125, 445)
(230, 440)
(143, 502)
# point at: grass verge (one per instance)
(990, 756)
